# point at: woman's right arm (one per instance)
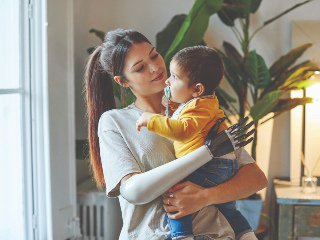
(145, 187)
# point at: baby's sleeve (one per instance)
(116, 158)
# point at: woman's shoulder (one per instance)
(110, 119)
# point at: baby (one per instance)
(195, 74)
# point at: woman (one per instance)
(121, 153)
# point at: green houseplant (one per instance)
(246, 72)
(259, 89)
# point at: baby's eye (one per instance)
(155, 56)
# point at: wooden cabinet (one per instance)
(298, 214)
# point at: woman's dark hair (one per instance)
(202, 65)
(103, 64)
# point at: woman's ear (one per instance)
(120, 81)
(198, 90)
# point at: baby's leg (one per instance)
(216, 172)
(180, 228)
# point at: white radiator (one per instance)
(100, 217)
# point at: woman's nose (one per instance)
(153, 68)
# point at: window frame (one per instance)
(37, 11)
(25, 120)
(39, 198)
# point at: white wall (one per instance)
(150, 16)
(59, 108)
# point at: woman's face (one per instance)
(144, 70)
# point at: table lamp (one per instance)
(310, 121)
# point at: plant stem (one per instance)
(254, 143)
(255, 95)
(237, 34)
(242, 101)
(278, 16)
(246, 41)
(255, 32)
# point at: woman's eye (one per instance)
(140, 69)
(155, 56)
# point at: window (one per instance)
(37, 156)
(15, 129)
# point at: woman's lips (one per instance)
(159, 77)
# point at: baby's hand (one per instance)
(143, 120)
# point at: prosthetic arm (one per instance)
(145, 187)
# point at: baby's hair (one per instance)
(202, 65)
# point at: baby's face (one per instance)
(181, 90)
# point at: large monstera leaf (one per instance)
(256, 68)
(194, 26)
(284, 70)
(287, 60)
(265, 105)
(233, 9)
(165, 37)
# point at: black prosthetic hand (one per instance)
(230, 139)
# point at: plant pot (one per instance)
(251, 209)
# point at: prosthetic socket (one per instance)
(145, 187)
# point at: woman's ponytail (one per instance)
(99, 98)
(105, 62)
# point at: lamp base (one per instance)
(309, 184)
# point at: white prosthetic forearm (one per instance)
(145, 187)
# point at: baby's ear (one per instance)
(198, 90)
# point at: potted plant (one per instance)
(267, 88)
(245, 71)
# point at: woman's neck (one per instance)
(150, 104)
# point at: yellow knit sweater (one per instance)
(189, 131)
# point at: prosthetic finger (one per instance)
(244, 136)
(242, 144)
(240, 123)
(243, 128)
(231, 133)
(227, 147)
(231, 139)
(145, 187)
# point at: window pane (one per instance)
(11, 207)
(9, 44)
